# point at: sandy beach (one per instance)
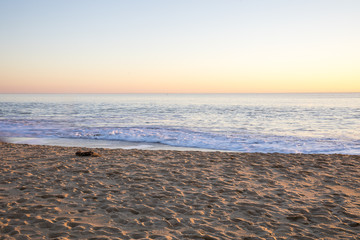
(47, 192)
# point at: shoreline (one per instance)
(49, 192)
(126, 145)
(100, 143)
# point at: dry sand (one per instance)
(48, 192)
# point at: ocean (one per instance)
(284, 123)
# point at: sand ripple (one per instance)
(49, 193)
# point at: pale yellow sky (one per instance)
(185, 46)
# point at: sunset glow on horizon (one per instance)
(179, 46)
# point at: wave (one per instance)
(182, 137)
(228, 141)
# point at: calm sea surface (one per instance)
(286, 123)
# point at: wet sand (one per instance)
(47, 192)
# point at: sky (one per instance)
(183, 46)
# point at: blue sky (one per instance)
(180, 46)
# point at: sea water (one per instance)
(285, 123)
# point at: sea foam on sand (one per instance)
(48, 192)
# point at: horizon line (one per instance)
(176, 92)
